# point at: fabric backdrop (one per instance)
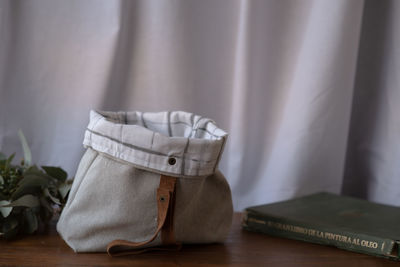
(308, 90)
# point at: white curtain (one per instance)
(308, 90)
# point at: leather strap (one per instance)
(165, 224)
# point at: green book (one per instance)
(324, 218)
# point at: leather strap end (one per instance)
(165, 207)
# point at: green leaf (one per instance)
(10, 158)
(29, 201)
(56, 172)
(5, 211)
(64, 189)
(30, 184)
(8, 162)
(3, 159)
(25, 148)
(35, 171)
(47, 193)
(1, 180)
(35, 180)
(31, 221)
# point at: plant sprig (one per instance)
(29, 195)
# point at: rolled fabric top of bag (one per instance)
(175, 143)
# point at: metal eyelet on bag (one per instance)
(171, 161)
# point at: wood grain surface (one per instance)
(242, 248)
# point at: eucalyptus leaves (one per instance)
(29, 195)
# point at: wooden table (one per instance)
(242, 248)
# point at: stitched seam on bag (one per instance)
(156, 167)
(101, 117)
(99, 146)
(143, 168)
(184, 156)
(144, 149)
(220, 153)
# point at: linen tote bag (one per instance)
(147, 180)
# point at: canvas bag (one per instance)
(147, 180)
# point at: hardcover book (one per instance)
(324, 218)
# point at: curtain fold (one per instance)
(372, 169)
(307, 90)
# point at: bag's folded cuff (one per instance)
(175, 143)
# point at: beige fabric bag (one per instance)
(147, 180)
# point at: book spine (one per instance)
(340, 238)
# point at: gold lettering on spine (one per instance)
(319, 234)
